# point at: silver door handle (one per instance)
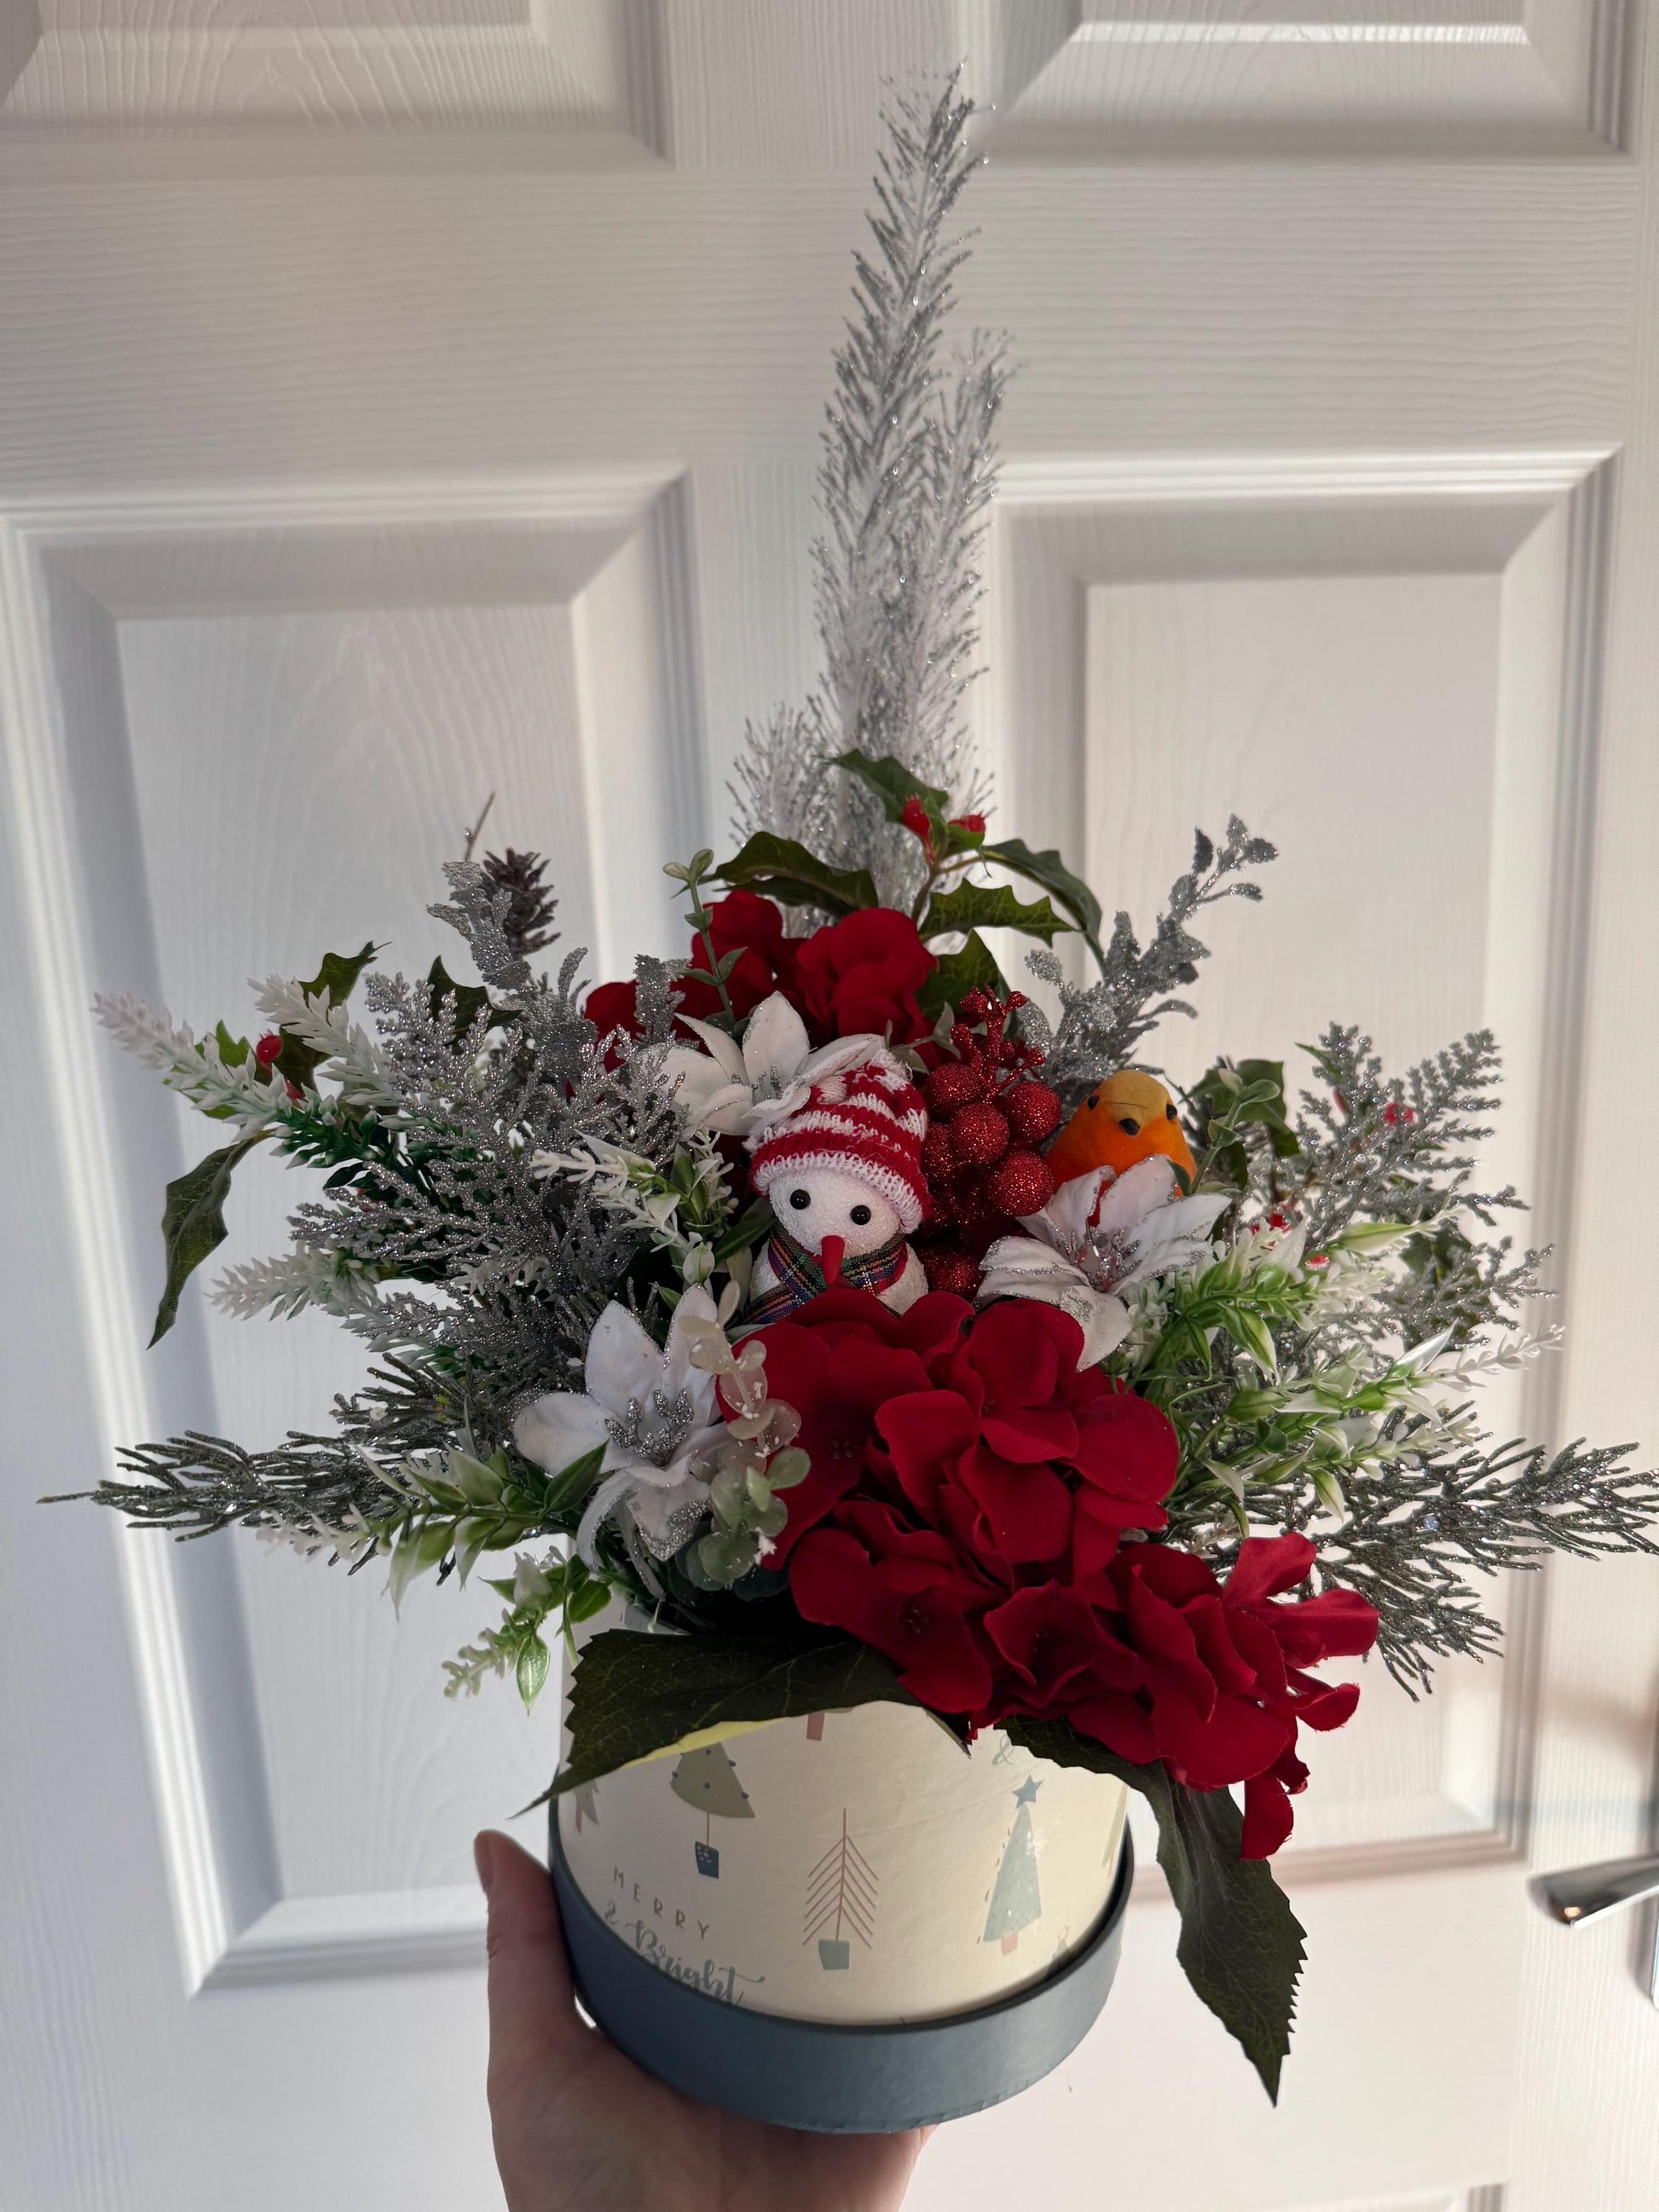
(1580, 1893)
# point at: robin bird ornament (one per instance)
(1126, 1118)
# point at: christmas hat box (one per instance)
(844, 1921)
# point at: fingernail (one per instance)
(483, 1859)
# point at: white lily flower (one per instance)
(1100, 1234)
(741, 1090)
(657, 1416)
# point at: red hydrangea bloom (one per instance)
(863, 973)
(741, 921)
(970, 1490)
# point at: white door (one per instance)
(403, 399)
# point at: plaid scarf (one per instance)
(801, 1274)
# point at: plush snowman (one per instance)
(843, 1173)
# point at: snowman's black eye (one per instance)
(800, 1199)
(859, 1214)
(1129, 1126)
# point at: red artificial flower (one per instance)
(838, 1361)
(742, 921)
(1223, 1687)
(863, 973)
(969, 1494)
(904, 1592)
(610, 1006)
(979, 1427)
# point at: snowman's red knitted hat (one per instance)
(867, 1121)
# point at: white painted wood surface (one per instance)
(399, 400)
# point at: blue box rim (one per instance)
(833, 2076)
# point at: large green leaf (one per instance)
(786, 870)
(1052, 873)
(958, 972)
(334, 981)
(1241, 1945)
(991, 906)
(894, 784)
(194, 1224)
(633, 1694)
(337, 978)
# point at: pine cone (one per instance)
(526, 923)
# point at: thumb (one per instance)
(532, 2014)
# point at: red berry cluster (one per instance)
(985, 1116)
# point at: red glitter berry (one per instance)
(1033, 1111)
(938, 1154)
(952, 1271)
(957, 1084)
(1023, 1183)
(979, 1135)
(268, 1049)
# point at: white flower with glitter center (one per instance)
(1101, 1234)
(657, 1416)
(742, 1090)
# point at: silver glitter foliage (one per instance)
(907, 471)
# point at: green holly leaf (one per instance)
(632, 1695)
(297, 1061)
(895, 786)
(193, 1223)
(957, 972)
(1241, 1945)
(337, 977)
(1048, 870)
(991, 906)
(469, 1000)
(786, 871)
(232, 1051)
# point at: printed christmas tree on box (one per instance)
(708, 1779)
(1015, 1901)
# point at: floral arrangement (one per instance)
(823, 1296)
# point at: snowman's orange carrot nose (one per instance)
(829, 1260)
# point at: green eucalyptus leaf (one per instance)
(1241, 1945)
(1047, 869)
(193, 1223)
(992, 906)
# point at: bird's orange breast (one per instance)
(1129, 1117)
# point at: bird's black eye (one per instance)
(800, 1199)
(859, 1214)
(1129, 1126)
(1169, 1113)
(1094, 1101)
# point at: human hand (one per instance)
(580, 2128)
